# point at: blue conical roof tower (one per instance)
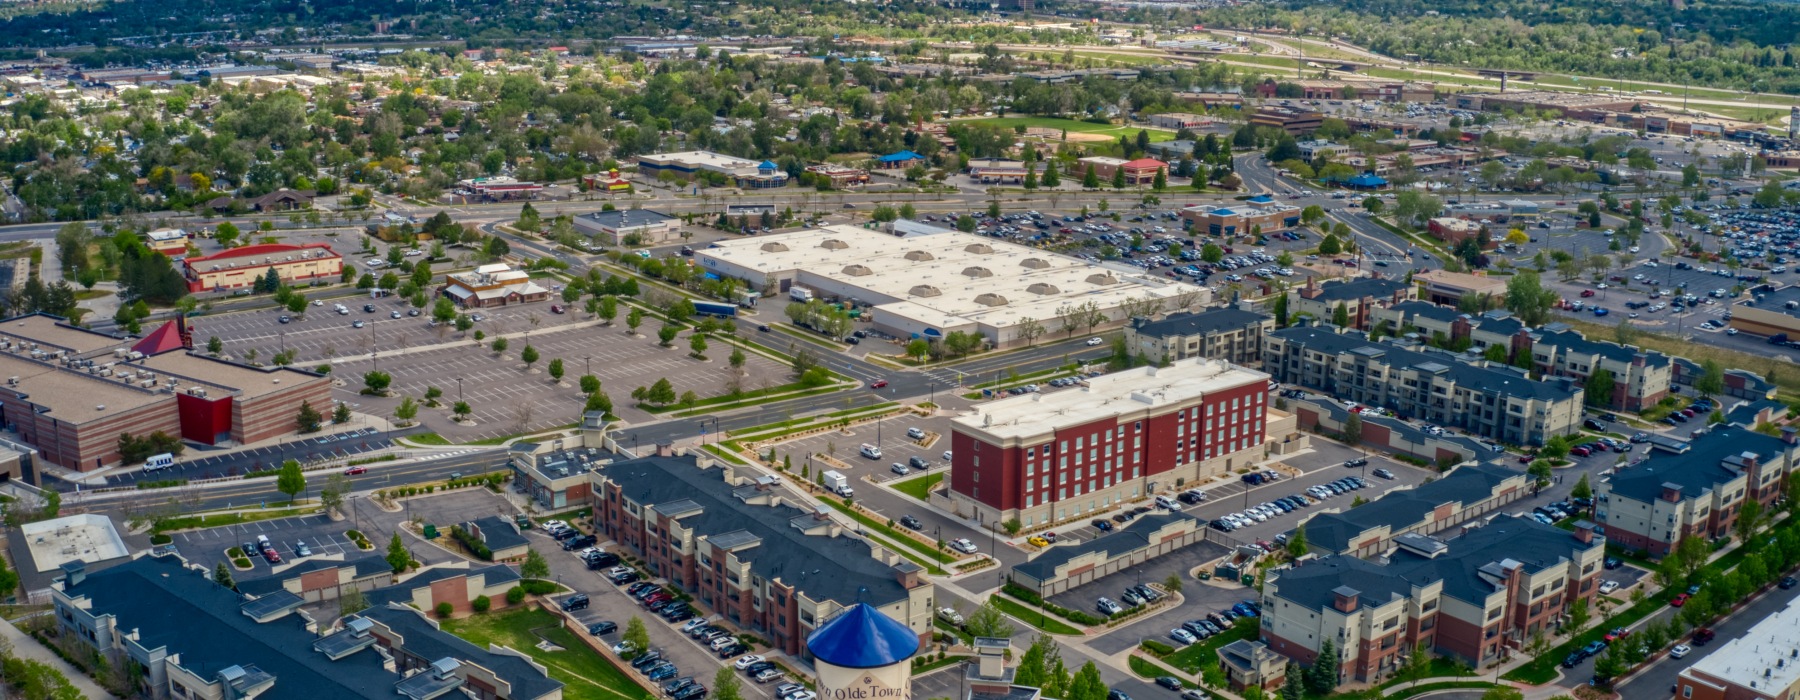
(863, 637)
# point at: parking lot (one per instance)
(320, 334)
(889, 435)
(506, 399)
(324, 536)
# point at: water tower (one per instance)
(863, 654)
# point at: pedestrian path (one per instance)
(25, 647)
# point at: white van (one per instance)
(158, 462)
(871, 451)
(1168, 503)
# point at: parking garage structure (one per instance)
(932, 285)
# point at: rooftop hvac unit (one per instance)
(135, 356)
(12, 380)
(105, 372)
(127, 376)
(148, 375)
(120, 352)
(147, 383)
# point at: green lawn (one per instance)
(919, 487)
(585, 674)
(881, 528)
(1156, 135)
(1193, 657)
(1029, 616)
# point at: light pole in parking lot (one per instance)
(459, 397)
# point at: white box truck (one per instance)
(800, 294)
(838, 483)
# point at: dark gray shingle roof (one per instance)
(1127, 539)
(1201, 323)
(1401, 508)
(1503, 381)
(1700, 468)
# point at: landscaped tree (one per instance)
(397, 556)
(987, 621)
(1712, 378)
(609, 309)
(636, 636)
(697, 344)
(1281, 310)
(529, 355)
(666, 335)
(634, 319)
(737, 358)
(407, 410)
(1296, 544)
(309, 420)
(443, 310)
(331, 495)
(462, 410)
(1340, 316)
(341, 414)
(1322, 678)
(726, 685)
(589, 384)
(499, 346)
(376, 382)
(534, 566)
(290, 480)
(556, 369)
(222, 576)
(1582, 489)
(1600, 388)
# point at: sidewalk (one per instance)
(24, 647)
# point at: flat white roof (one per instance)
(88, 537)
(1772, 647)
(701, 159)
(945, 279)
(1107, 395)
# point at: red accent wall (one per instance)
(1000, 471)
(202, 420)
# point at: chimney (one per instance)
(1671, 492)
(1584, 532)
(1344, 599)
(1790, 435)
(665, 449)
(74, 572)
(1639, 359)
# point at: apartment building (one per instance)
(1696, 488)
(1640, 378)
(186, 637)
(1046, 458)
(1229, 334)
(1497, 402)
(1463, 494)
(1360, 298)
(1468, 598)
(772, 567)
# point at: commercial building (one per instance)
(930, 286)
(1449, 288)
(1259, 214)
(1294, 121)
(555, 473)
(1141, 171)
(495, 284)
(1575, 106)
(1230, 334)
(1760, 665)
(997, 171)
(185, 636)
(1176, 121)
(840, 177)
(171, 242)
(1497, 402)
(498, 188)
(609, 181)
(1452, 231)
(1360, 298)
(642, 226)
(1641, 378)
(71, 392)
(239, 268)
(742, 549)
(1776, 312)
(900, 160)
(1470, 598)
(741, 172)
(1463, 494)
(1045, 458)
(500, 535)
(1697, 491)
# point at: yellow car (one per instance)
(1039, 542)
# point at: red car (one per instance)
(1580, 451)
(1585, 293)
(879, 384)
(1617, 633)
(353, 471)
(1679, 600)
(556, 308)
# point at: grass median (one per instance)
(1030, 616)
(919, 488)
(881, 528)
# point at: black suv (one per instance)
(579, 601)
(577, 542)
(910, 521)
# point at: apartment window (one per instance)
(1493, 614)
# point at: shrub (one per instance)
(234, 552)
(444, 610)
(353, 534)
(1158, 648)
(160, 538)
(241, 563)
(515, 595)
(538, 586)
(482, 603)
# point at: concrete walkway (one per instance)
(24, 647)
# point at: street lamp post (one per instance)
(459, 396)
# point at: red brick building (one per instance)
(1048, 458)
(1472, 598)
(762, 565)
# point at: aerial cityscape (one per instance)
(899, 350)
